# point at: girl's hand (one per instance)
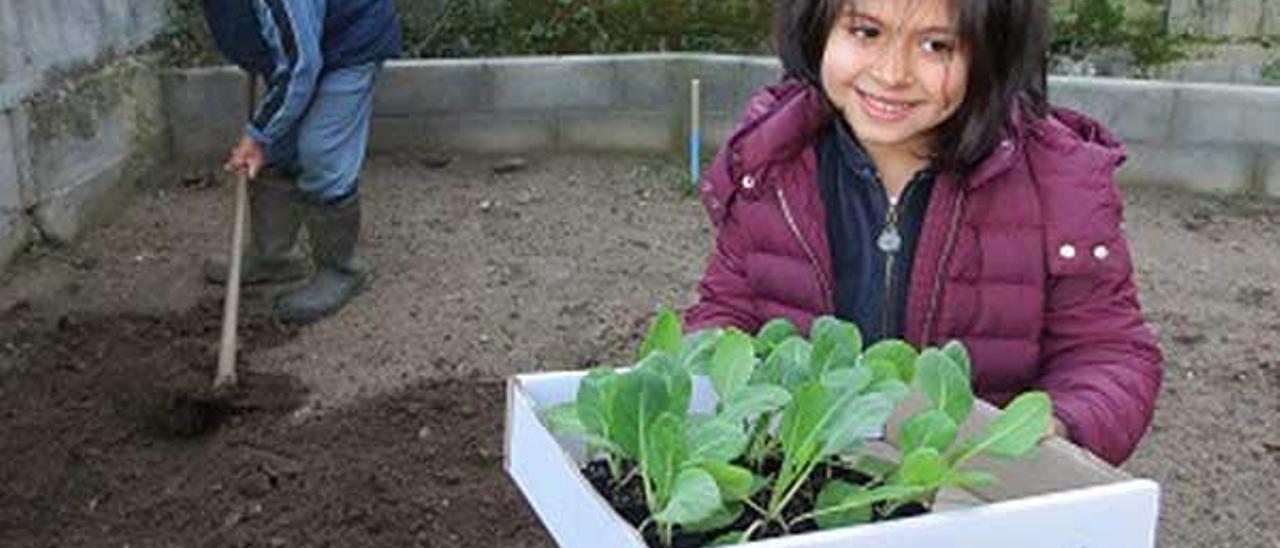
(247, 158)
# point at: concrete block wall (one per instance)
(632, 102)
(80, 118)
(1225, 18)
(14, 223)
(42, 39)
(87, 146)
(1204, 137)
(1209, 137)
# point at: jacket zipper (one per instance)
(946, 257)
(889, 242)
(813, 258)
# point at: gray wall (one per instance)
(1198, 136)
(79, 117)
(1225, 18)
(1210, 18)
(41, 38)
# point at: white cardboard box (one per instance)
(1063, 497)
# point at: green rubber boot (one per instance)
(339, 274)
(271, 254)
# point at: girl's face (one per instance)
(895, 70)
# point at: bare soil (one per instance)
(478, 276)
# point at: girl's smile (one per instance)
(886, 109)
(896, 71)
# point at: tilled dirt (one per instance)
(555, 265)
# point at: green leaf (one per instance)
(931, 428)
(944, 384)
(732, 364)
(788, 365)
(968, 478)
(923, 467)
(892, 389)
(841, 381)
(698, 348)
(880, 369)
(734, 482)
(664, 453)
(641, 397)
(960, 356)
(1018, 428)
(836, 344)
(718, 440)
(752, 401)
(833, 497)
(665, 335)
(801, 420)
(854, 419)
(724, 517)
(772, 335)
(563, 420)
(853, 500)
(873, 466)
(678, 381)
(898, 353)
(595, 401)
(695, 498)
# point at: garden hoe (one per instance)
(198, 412)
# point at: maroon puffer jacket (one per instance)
(1025, 261)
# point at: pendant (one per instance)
(889, 241)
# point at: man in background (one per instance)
(307, 138)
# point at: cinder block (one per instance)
(430, 87)
(15, 227)
(74, 137)
(716, 130)
(1219, 170)
(1134, 110)
(650, 82)
(15, 232)
(1224, 18)
(618, 130)
(1222, 114)
(721, 77)
(483, 132)
(10, 182)
(758, 72)
(63, 215)
(64, 33)
(1271, 172)
(88, 145)
(206, 111)
(575, 82)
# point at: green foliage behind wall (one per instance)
(470, 28)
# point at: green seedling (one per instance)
(782, 398)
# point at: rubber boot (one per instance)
(272, 254)
(339, 274)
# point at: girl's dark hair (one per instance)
(1006, 41)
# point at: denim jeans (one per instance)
(326, 151)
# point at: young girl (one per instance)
(908, 175)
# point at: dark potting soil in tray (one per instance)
(629, 503)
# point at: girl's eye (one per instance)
(865, 32)
(941, 47)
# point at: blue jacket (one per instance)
(291, 43)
